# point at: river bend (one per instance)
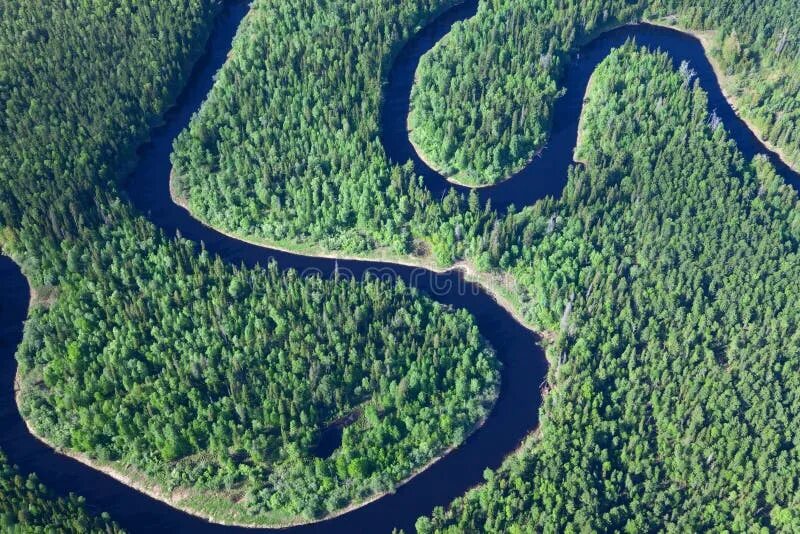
(515, 414)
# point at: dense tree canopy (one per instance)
(286, 147)
(483, 100)
(147, 351)
(80, 84)
(27, 506)
(224, 378)
(670, 276)
(484, 95)
(757, 46)
(666, 271)
(641, 270)
(318, 177)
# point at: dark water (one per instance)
(524, 365)
(547, 174)
(329, 441)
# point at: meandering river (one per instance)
(515, 414)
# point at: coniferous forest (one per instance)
(664, 276)
(671, 278)
(286, 147)
(27, 506)
(482, 105)
(145, 350)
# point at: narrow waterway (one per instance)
(547, 173)
(524, 365)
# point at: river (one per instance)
(515, 414)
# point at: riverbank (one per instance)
(456, 179)
(726, 83)
(126, 475)
(493, 283)
(579, 139)
(197, 503)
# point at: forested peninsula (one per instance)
(150, 357)
(483, 103)
(664, 275)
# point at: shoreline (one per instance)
(156, 492)
(471, 274)
(454, 179)
(704, 37)
(579, 137)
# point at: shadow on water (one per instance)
(329, 441)
(524, 365)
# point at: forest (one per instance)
(670, 279)
(665, 272)
(286, 147)
(320, 181)
(146, 352)
(757, 47)
(222, 379)
(482, 103)
(27, 506)
(481, 107)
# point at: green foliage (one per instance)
(667, 268)
(233, 389)
(27, 506)
(286, 147)
(286, 151)
(189, 371)
(80, 84)
(483, 100)
(670, 276)
(757, 46)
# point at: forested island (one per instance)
(664, 277)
